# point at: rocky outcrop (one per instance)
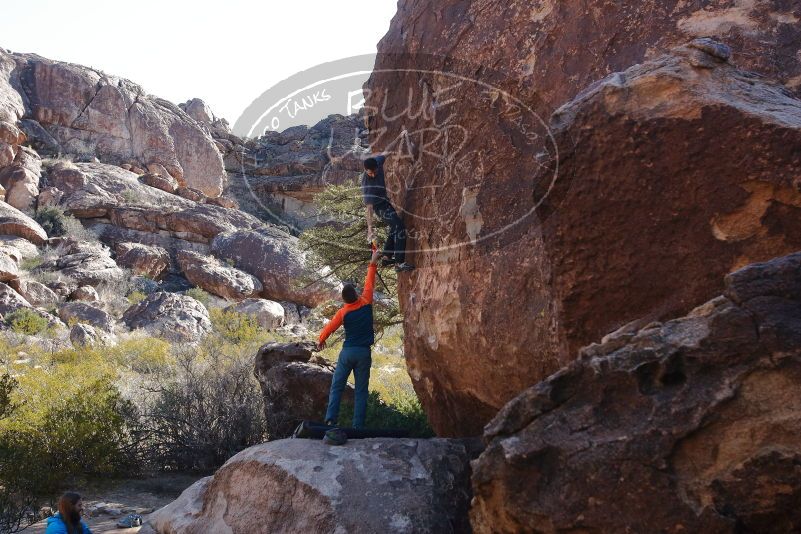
(84, 335)
(88, 112)
(9, 263)
(80, 312)
(15, 223)
(582, 239)
(20, 179)
(295, 385)
(218, 279)
(281, 172)
(177, 318)
(276, 260)
(10, 300)
(370, 485)
(84, 263)
(85, 294)
(35, 293)
(693, 425)
(143, 260)
(164, 183)
(268, 314)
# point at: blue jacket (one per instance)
(55, 525)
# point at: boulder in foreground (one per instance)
(298, 485)
(295, 385)
(693, 425)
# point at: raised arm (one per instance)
(369, 281)
(369, 223)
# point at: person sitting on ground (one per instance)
(68, 519)
(374, 194)
(357, 316)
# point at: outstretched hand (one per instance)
(376, 255)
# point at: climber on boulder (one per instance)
(357, 316)
(374, 194)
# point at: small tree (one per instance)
(341, 246)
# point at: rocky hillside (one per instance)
(629, 204)
(144, 179)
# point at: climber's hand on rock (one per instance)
(320, 345)
(376, 255)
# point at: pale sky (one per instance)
(225, 52)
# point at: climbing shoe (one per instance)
(386, 261)
(335, 436)
(402, 267)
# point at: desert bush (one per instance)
(52, 219)
(68, 421)
(405, 412)
(235, 327)
(26, 321)
(204, 409)
(29, 264)
(135, 297)
(199, 295)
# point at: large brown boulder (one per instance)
(605, 226)
(144, 260)
(20, 179)
(177, 318)
(295, 385)
(14, 222)
(37, 294)
(693, 425)
(208, 273)
(84, 263)
(80, 312)
(275, 258)
(299, 485)
(89, 112)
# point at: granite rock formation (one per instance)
(642, 193)
(692, 425)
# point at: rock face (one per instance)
(267, 313)
(20, 179)
(295, 385)
(88, 112)
(85, 263)
(143, 260)
(80, 312)
(280, 172)
(693, 425)
(15, 223)
(218, 279)
(35, 293)
(177, 318)
(275, 259)
(576, 237)
(370, 485)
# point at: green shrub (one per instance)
(199, 295)
(53, 220)
(29, 264)
(135, 297)
(404, 413)
(235, 327)
(26, 321)
(69, 421)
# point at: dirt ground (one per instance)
(141, 495)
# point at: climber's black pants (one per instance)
(396, 239)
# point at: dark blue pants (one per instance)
(396, 239)
(358, 360)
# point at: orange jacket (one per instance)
(366, 299)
